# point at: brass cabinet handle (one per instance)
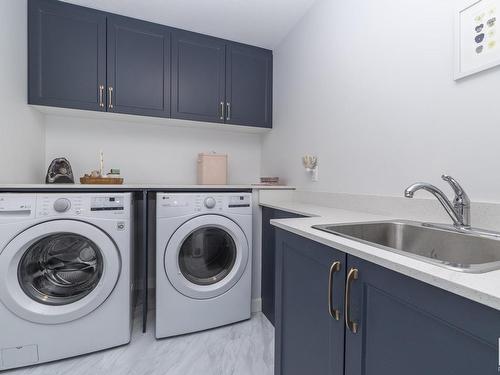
(222, 110)
(351, 276)
(110, 106)
(334, 313)
(228, 105)
(101, 96)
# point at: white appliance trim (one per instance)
(16, 300)
(172, 250)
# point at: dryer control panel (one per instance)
(239, 201)
(178, 204)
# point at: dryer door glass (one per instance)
(60, 269)
(207, 256)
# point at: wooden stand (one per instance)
(101, 181)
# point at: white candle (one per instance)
(101, 164)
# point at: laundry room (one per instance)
(229, 187)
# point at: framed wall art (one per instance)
(477, 43)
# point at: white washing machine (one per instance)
(203, 261)
(65, 275)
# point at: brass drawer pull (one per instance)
(334, 313)
(351, 276)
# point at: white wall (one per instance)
(21, 128)
(149, 153)
(368, 87)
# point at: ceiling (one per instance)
(262, 23)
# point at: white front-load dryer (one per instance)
(65, 275)
(203, 261)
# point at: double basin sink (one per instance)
(468, 251)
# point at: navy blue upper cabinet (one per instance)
(218, 81)
(87, 59)
(310, 280)
(67, 55)
(138, 67)
(198, 77)
(249, 86)
(412, 328)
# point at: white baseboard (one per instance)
(256, 305)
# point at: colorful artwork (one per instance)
(477, 38)
(487, 39)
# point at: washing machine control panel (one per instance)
(90, 205)
(54, 205)
(210, 202)
(107, 203)
(62, 205)
(16, 207)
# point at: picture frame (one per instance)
(477, 37)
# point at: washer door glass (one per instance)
(207, 256)
(60, 269)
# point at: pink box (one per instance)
(212, 169)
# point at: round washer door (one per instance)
(206, 256)
(58, 271)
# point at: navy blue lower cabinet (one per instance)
(268, 258)
(138, 67)
(310, 280)
(408, 327)
(66, 55)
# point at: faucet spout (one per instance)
(441, 197)
(410, 192)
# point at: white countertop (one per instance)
(139, 187)
(483, 288)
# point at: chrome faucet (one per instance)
(459, 210)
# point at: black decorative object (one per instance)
(60, 172)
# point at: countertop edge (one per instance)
(20, 188)
(425, 272)
(288, 208)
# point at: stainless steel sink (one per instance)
(465, 252)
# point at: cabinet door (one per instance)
(268, 258)
(309, 340)
(409, 327)
(138, 67)
(67, 55)
(198, 77)
(249, 86)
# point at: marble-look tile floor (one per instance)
(245, 348)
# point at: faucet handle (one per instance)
(459, 191)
